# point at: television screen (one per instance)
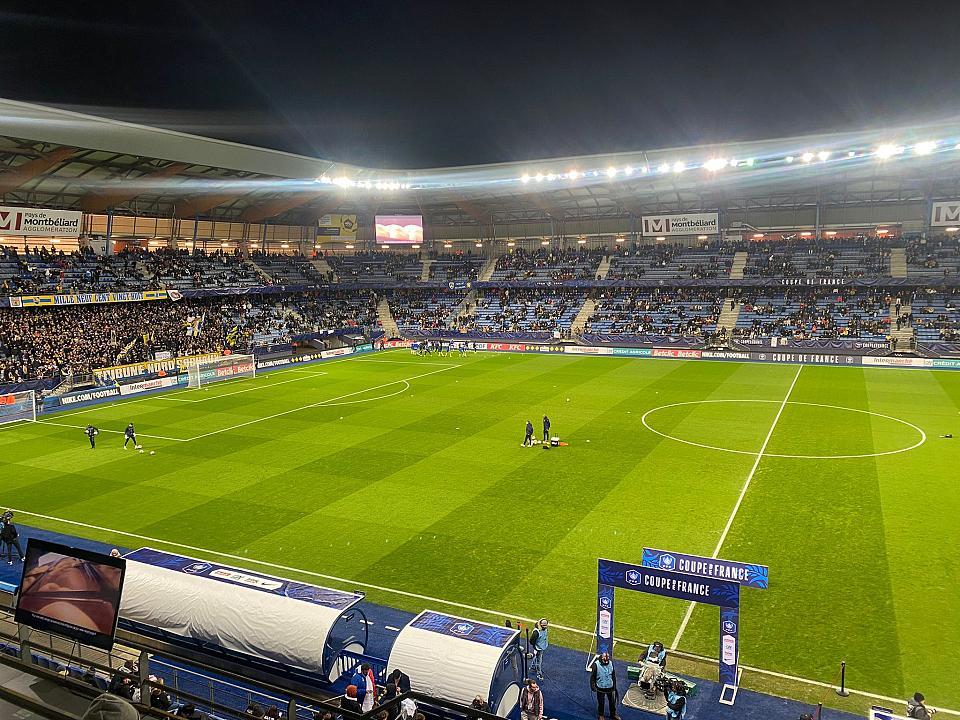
(399, 229)
(70, 592)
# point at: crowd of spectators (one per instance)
(423, 309)
(853, 258)
(43, 270)
(806, 313)
(549, 263)
(525, 310)
(688, 312)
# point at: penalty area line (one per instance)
(427, 598)
(736, 507)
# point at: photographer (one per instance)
(676, 700)
(917, 709)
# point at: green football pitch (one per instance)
(401, 473)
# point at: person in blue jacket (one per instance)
(603, 681)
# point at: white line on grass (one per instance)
(401, 362)
(321, 403)
(427, 598)
(266, 386)
(118, 432)
(743, 492)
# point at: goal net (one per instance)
(230, 367)
(18, 407)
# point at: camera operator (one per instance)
(917, 709)
(657, 653)
(676, 700)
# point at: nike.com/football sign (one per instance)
(682, 224)
(945, 213)
(38, 222)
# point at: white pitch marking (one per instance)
(267, 386)
(321, 403)
(118, 432)
(743, 492)
(427, 598)
(920, 431)
(405, 362)
(391, 628)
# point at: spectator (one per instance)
(408, 708)
(190, 712)
(159, 698)
(10, 537)
(273, 713)
(349, 701)
(110, 707)
(254, 710)
(603, 682)
(538, 646)
(401, 680)
(531, 702)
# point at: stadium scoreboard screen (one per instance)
(399, 229)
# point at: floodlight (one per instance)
(348, 246)
(953, 229)
(611, 172)
(703, 237)
(551, 177)
(525, 178)
(789, 158)
(888, 150)
(679, 166)
(925, 148)
(714, 164)
(581, 241)
(660, 238)
(628, 170)
(573, 174)
(664, 167)
(807, 157)
(539, 177)
(823, 155)
(750, 162)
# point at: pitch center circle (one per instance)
(919, 431)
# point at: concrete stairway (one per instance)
(585, 313)
(425, 271)
(604, 267)
(385, 314)
(467, 306)
(728, 316)
(264, 275)
(486, 272)
(323, 267)
(903, 336)
(898, 263)
(739, 263)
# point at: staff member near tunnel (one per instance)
(603, 681)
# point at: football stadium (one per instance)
(670, 428)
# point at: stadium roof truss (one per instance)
(56, 158)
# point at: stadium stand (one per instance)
(936, 316)
(683, 312)
(805, 314)
(423, 309)
(377, 268)
(671, 262)
(548, 264)
(447, 267)
(532, 310)
(938, 256)
(288, 269)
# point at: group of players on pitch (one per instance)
(129, 435)
(528, 439)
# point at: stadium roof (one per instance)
(57, 158)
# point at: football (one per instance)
(141, 451)
(153, 452)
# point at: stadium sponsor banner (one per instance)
(805, 358)
(344, 226)
(681, 224)
(398, 343)
(39, 222)
(897, 361)
(945, 213)
(677, 353)
(724, 355)
(25, 301)
(503, 347)
(748, 575)
(155, 384)
(633, 352)
(669, 583)
(336, 352)
(947, 363)
(118, 372)
(472, 630)
(588, 350)
(88, 395)
(544, 348)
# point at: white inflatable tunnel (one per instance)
(457, 659)
(272, 618)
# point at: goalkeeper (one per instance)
(128, 435)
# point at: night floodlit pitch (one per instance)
(407, 473)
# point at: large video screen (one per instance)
(399, 229)
(70, 592)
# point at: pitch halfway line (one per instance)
(427, 598)
(743, 492)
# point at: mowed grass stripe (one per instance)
(811, 520)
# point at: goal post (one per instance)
(18, 407)
(229, 367)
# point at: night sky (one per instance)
(409, 84)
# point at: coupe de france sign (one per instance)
(39, 222)
(682, 224)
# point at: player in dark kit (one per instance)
(128, 435)
(528, 435)
(546, 429)
(92, 433)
